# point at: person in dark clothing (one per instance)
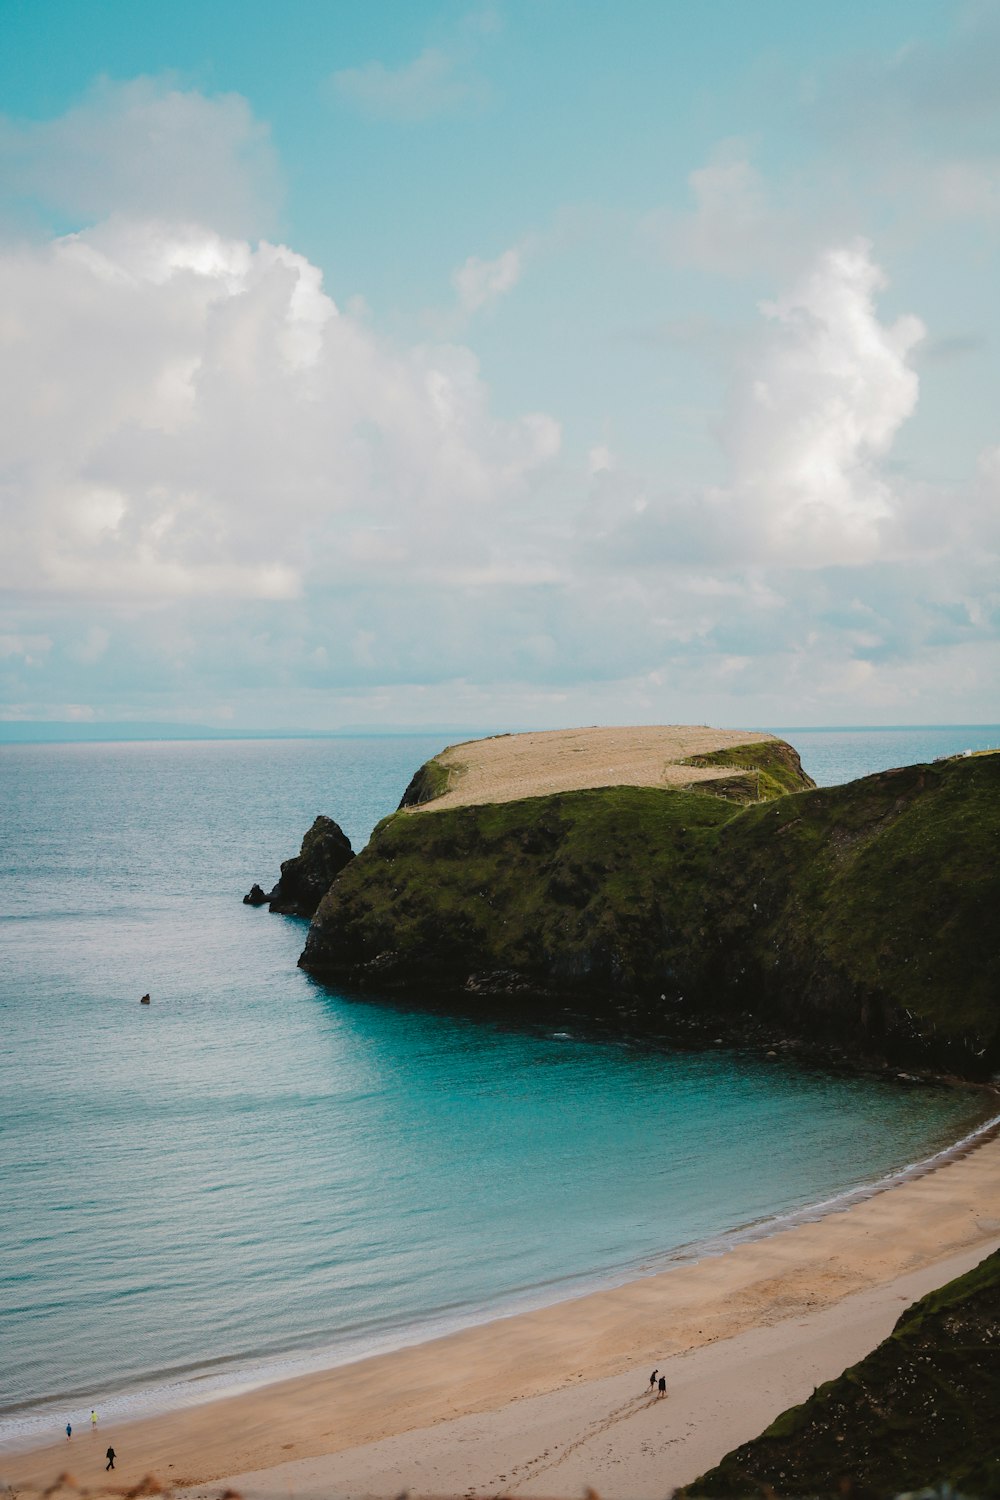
(661, 1387)
(652, 1380)
(111, 1460)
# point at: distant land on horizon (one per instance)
(69, 731)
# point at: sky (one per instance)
(532, 363)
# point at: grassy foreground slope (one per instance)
(921, 1409)
(863, 915)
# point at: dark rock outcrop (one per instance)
(922, 1409)
(306, 878)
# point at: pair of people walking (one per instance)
(660, 1386)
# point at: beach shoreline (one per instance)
(159, 1396)
(903, 1233)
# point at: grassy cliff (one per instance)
(862, 915)
(922, 1409)
(760, 772)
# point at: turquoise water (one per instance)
(256, 1172)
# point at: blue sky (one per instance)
(528, 363)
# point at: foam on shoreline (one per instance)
(25, 1430)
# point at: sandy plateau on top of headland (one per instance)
(509, 766)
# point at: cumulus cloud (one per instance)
(192, 414)
(816, 400)
(219, 487)
(146, 148)
(811, 421)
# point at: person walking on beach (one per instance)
(69, 1431)
(652, 1380)
(111, 1460)
(93, 1421)
(662, 1387)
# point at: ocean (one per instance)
(257, 1174)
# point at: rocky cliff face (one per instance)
(306, 878)
(922, 1409)
(862, 916)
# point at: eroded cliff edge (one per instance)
(863, 916)
(922, 1409)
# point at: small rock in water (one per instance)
(145, 1000)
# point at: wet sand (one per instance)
(546, 1402)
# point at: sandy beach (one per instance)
(548, 1402)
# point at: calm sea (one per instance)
(256, 1173)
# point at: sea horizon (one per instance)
(68, 731)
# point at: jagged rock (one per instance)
(256, 897)
(307, 877)
(497, 982)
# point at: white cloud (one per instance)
(223, 428)
(146, 148)
(732, 215)
(30, 649)
(218, 487)
(964, 189)
(816, 400)
(478, 282)
(740, 223)
(434, 83)
(816, 412)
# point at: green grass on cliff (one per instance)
(922, 1409)
(770, 769)
(863, 915)
(569, 886)
(432, 780)
(888, 886)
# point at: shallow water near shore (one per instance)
(255, 1171)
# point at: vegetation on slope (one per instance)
(591, 888)
(763, 771)
(861, 915)
(432, 780)
(873, 905)
(923, 1408)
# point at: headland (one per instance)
(689, 894)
